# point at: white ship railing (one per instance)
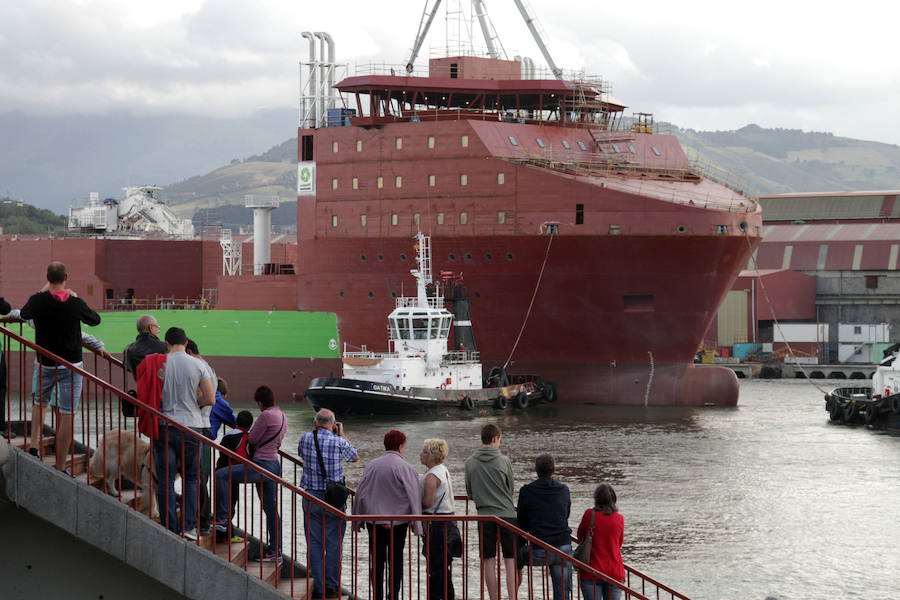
(411, 301)
(452, 358)
(370, 354)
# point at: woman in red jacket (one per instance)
(606, 547)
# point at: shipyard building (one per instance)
(826, 271)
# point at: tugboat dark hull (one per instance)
(352, 396)
(855, 405)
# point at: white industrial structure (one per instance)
(231, 254)
(317, 79)
(262, 229)
(142, 211)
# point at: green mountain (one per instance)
(21, 218)
(768, 161)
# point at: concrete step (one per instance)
(77, 464)
(236, 553)
(301, 586)
(47, 444)
(268, 572)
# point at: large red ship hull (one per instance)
(614, 320)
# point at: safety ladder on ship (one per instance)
(103, 395)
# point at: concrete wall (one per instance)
(64, 539)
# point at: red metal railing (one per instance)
(100, 414)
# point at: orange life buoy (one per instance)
(443, 386)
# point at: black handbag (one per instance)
(336, 492)
(438, 528)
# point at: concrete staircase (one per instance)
(111, 524)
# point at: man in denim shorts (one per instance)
(57, 313)
(489, 482)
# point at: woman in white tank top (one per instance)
(437, 499)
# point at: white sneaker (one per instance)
(191, 534)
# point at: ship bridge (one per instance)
(473, 87)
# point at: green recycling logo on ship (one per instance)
(306, 178)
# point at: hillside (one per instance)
(771, 161)
(21, 218)
(777, 161)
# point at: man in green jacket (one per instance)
(490, 484)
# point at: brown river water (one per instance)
(764, 500)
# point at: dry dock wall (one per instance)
(64, 539)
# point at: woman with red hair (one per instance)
(389, 486)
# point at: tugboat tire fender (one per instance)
(850, 411)
(871, 413)
(501, 402)
(467, 403)
(836, 412)
(521, 400)
(549, 392)
(895, 405)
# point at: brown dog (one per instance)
(123, 455)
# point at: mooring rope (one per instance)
(774, 318)
(537, 286)
(650, 380)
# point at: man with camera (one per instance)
(325, 448)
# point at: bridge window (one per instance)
(355, 182)
(463, 218)
(334, 220)
(379, 182)
(435, 329)
(334, 147)
(417, 218)
(656, 150)
(463, 179)
(398, 143)
(398, 181)
(501, 178)
(566, 144)
(420, 328)
(454, 70)
(363, 220)
(334, 183)
(582, 146)
(615, 148)
(579, 214)
(513, 141)
(501, 217)
(431, 142)
(431, 181)
(632, 149)
(464, 141)
(359, 145)
(395, 218)
(306, 147)
(540, 142)
(440, 218)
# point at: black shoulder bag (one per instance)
(336, 492)
(251, 448)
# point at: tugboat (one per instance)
(418, 373)
(877, 406)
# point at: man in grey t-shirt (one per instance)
(174, 451)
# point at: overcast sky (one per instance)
(697, 63)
